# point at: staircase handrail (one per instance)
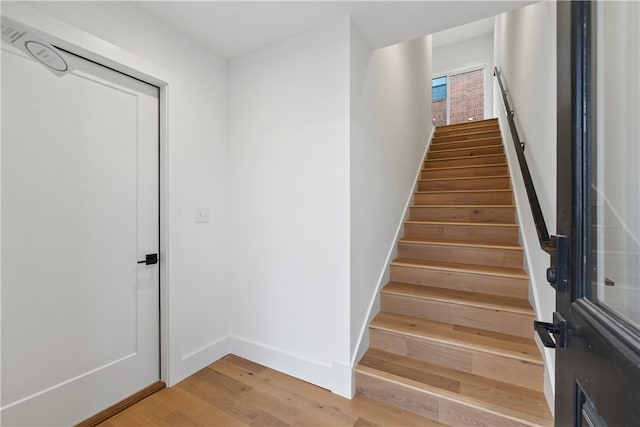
(538, 218)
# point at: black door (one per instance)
(598, 371)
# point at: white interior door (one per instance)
(80, 316)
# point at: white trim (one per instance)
(202, 357)
(336, 377)
(461, 70)
(447, 100)
(91, 47)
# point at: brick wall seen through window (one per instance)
(439, 112)
(465, 97)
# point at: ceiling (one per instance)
(234, 28)
(464, 32)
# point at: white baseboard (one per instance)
(337, 377)
(201, 358)
(363, 340)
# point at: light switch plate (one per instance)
(203, 215)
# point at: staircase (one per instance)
(453, 341)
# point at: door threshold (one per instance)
(113, 410)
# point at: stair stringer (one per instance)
(541, 294)
(383, 278)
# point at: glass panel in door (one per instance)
(615, 193)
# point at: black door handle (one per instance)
(149, 259)
(545, 330)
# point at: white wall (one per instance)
(289, 203)
(465, 56)
(390, 128)
(198, 172)
(525, 51)
(271, 143)
(326, 138)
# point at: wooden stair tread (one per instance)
(517, 273)
(466, 148)
(463, 178)
(446, 229)
(467, 133)
(435, 142)
(464, 206)
(489, 121)
(484, 134)
(484, 126)
(465, 125)
(453, 296)
(479, 191)
(520, 404)
(463, 167)
(463, 243)
(460, 336)
(478, 156)
(462, 224)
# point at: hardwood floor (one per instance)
(236, 392)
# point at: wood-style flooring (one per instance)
(237, 392)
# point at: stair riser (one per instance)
(458, 126)
(476, 317)
(464, 136)
(460, 232)
(467, 161)
(457, 414)
(500, 368)
(397, 395)
(470, 152)
(437, 408)
(501, 183)
(495, 285)
(470, 143)
(462, 255)
(491, 170)
(483, 198)
(474, 129)
(463, 214)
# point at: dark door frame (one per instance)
(598, 372)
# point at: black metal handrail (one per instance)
(538, 218)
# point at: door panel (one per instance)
(80, 328)
(598, 373)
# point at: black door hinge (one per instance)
(558, 329)
(558, 273)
